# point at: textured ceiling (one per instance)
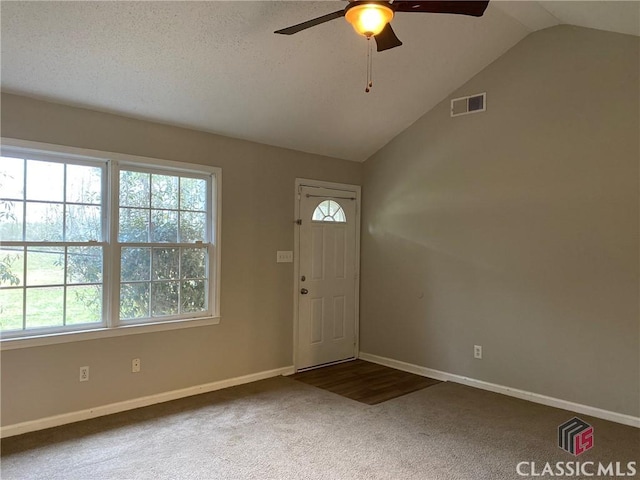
(218, 67)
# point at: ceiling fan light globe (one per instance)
(369, 19)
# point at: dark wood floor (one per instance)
(364, 381)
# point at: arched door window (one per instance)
(329, 211)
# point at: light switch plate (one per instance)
(284, 256)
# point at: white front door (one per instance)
(327, 276)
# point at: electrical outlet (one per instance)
(135, 365)
(477, 351)
(84, 374)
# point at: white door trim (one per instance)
(356, 189)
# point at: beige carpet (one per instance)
(284, 429)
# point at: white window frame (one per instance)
(111, 325)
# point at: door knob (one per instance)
(304, 291)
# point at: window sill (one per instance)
(93, 334)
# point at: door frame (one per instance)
(354, 189)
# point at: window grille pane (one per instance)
(134, 225)
(44, 222)
(45, 307)
(193, 194)
(135, 264)
(45, 266)
(134, 189)
(11, 266)
(11, 312)
(318, 215)
(193, 296)
(164, 298)
(165, 264)
(193, 227)
(45, 181)
(12, 178)
(83, 223)
(84, 184)
(84, 304)
(193, 263)
(84, 265)
(164, 192)
(134, 300)
(164, 226)
(11, 220)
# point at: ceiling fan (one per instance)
(371, 18)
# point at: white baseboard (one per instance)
(57, 420)
(512, 392)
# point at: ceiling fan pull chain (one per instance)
(369, 66)
(370, 63)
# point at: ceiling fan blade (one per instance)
(387, 39)
(459, 7)
(310, 23)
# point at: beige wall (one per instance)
(516, 229)
(256, 293)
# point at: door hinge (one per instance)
(299, 221)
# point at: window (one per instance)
(77, 255)
(329, 211)
(51, 254)
(162, 234)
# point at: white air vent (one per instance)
(471, 104)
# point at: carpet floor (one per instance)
(284, 429)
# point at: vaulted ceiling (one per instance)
(217, 66)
